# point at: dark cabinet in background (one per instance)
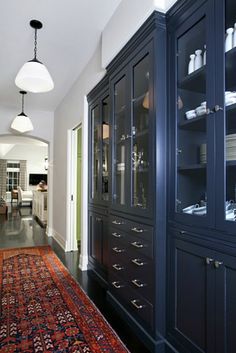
(202, 202)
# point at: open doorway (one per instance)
(23, 165)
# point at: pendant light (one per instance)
(34, 76)
(22, 122)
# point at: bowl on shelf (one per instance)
(190, 114)
(201, 110)
(203, 104)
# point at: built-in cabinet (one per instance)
(127, 182)
(202, 183)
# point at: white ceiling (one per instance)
(20, 140)
(71, 31)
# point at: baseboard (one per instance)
(59, 239)
(83, 262)
(49, 231)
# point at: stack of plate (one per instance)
(203, 153)
(231, 147)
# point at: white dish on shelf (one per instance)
(190, 114)
(230, 101)
(203, 104)
(190, 209)
(201, 110)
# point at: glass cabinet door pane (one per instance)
(140, 134)
(95, 151)
(120, 146)
(230, 111)
(105, 147)
(191, 149)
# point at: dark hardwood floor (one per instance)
(19, 229)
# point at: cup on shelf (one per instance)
(198, 59)
(191, 65)
(229, 39)
(201, 110)
(190, 114)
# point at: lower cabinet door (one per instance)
(225, 268)
(95, 237)
(191, 294)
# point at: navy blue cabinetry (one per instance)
(202, 288)
(202, 199)
(136, 205)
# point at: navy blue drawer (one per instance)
(140, 245)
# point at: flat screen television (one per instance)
(34, 179)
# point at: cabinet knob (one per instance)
(134, 302)
(138, 283)
(138, 245)
(209, 260)
(217, 264)
(138, 262)
(217, 108)
(117, 267)
(137, 230)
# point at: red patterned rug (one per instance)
(43, 309)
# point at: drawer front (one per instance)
(118, 235)
(135, 303)
(119, 223)
(137, 229)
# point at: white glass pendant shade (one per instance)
(22, 123)
(34, 77)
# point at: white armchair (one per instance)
(24, 196)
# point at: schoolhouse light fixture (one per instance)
(34, 76)
(22, 123)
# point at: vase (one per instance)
(198, 59)
(191, 65)
(229, 39)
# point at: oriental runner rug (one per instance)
(43, 309)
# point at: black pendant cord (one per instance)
(35, 44)
(22, 103)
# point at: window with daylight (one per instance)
(13, 175)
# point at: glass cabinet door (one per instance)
(140, 134)
(95, 154)
(191, 125)
(230, 110)
(120, 142)
(105, 147)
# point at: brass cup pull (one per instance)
(137, 230)
(138, 283)
(117, 250)
(116, 235)
(118, 267)
(117, 284)
(136, 244)
(137, 306)
(138, 262)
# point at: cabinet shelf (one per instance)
(191, 167)
(196, 81)
(195, 124)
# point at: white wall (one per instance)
(34, 155)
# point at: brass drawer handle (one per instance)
(137, 306)
(137, 230)
(117, 284)
(117, 250)
(138, 283)
(117, 267)
(117, 222)
(138, 262)
(138, 245)
(116, 235)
